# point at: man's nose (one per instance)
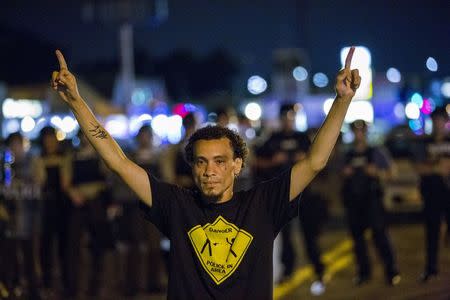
(209, 170)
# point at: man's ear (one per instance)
(237, 166)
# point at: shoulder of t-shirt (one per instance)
(265, 183)
(174, 187)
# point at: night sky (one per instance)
(398, 33)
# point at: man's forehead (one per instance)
(213, 147)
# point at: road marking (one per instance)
(335, 260)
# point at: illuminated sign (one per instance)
(21, 108)
(362, 60)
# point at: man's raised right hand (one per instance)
(64, 82)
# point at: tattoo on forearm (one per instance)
(98, 132)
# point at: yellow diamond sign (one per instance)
(220, 247)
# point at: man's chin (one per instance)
(211, 197)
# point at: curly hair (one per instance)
(217, 132)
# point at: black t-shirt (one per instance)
(290, 143)
(360, 185)
(221, 251)
(433, 152)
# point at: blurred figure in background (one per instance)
(88, 193)
(175, 168)
(139, 238)
(224, 116)
(282, 149)
(365, 169)
(50, 172)
(21, 196)
(313, 213)
(433, 165)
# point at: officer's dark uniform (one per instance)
(435, 193)
(289, 143)
(362, 196)
(87, 171)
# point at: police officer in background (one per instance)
(433, 165)
(51, 173)
(145, 234)
(280, 151)
(365, 168)
(88, 192)
(22, 195)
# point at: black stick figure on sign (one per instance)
(231, 245)
(208, 242)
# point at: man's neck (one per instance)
(218, 199)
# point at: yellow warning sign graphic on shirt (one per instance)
(220, 247)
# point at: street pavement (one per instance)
(408, 242)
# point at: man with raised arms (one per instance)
(221, 241)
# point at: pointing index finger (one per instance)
(61, 60)
(348, 60)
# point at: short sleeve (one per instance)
(164, 199)
(275, 194)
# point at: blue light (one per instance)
(300, 73)
(417, 99)
(432, 64)
(415, 125)
(393, 75)
(320, 80)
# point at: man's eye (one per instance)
(220, 161)
(199, 162)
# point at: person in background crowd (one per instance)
(21, 196)
(313, 213)
(365, 169)
(175, 168)
(141, 234)
(88, 192)
(433, 165)
(283, 149)
(50, 172)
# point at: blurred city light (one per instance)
(250, 133)
(428, 106)
(445, 89)
(432, 64)
(416, 126)
(138, 97)
(56, 121)
(412, 111)
(10, 126)
(60, 135)
(253, 111)
(117, 126)
(69, 124)
(428, 127)
(136, 122)
(27, 124)
(327, 105)
(256, 85)
(393, 75)
(358, 110)
(159, 125)
(301, 120)
(21, 108)
(174, 132)
(417, 99)
(320, 80)
(300, 73)
(362, 60)
(399, 111)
